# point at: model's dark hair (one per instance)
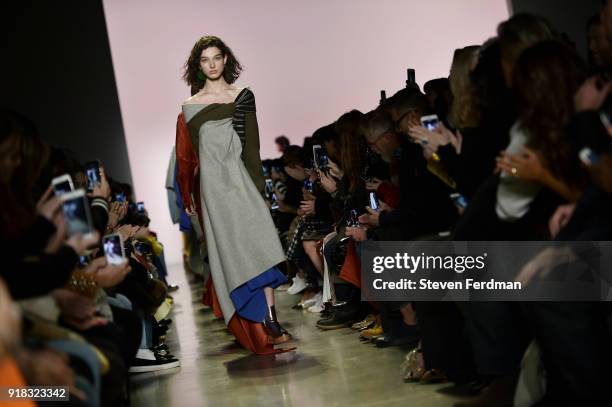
(192, 66)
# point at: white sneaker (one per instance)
(311, 301)
(318, 305)
(148, 361)
(297, 287)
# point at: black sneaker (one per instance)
(148, 361)
(342, 317)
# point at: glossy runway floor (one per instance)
(329, 368)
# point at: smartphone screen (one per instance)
(62, 185)
(308, 185)
(459, 200)
(83, 261)
(120, 197)
(316, 152)
(353, 220)
(589, 157)
(76, 213)
(374, 201)
(92, 169)
(323, 161)
(142, 248)
(140, 208)
(269, 188)
(113, 249)
(274, 205)
(430, 122)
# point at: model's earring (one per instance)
(201, 75)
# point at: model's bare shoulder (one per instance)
(238, 90)
(191, 100)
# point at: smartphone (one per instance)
(142, 248)
(323, 161)
(269, 187)
(62, 184)
(120, 197)
(589, 157)
(430, 122)
(374, 201)
(113, 248)
(411, 77)
(316, 152)
(459, 200)
(76, 212)
(308, 185)
(266, 171)
(83, 261)
(353, 220)
(92, 169)
(274, 205)
(140, 207)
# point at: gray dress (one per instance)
(241, 238)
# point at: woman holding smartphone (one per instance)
(220, 177)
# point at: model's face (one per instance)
(212, 62)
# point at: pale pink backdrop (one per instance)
(306, 61)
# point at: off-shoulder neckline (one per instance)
(217, 103)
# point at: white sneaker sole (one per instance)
(154, 368)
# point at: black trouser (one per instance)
(443, 339)
(498, 334)
(576, 351)
(119, 342)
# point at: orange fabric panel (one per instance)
(253, 336)
(187, 175)
(10, 376)
(207, 295)
(215, 301)
(351, 269)
(186, 159)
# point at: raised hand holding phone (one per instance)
(328, 183)
(102, 189)
(48, 205)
